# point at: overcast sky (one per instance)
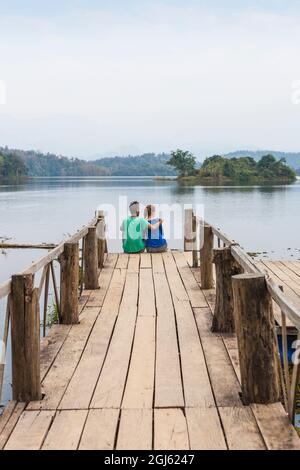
(87, 77)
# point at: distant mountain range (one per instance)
(292, 159)
(39, 164)
(35, 163)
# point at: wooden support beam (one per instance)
(69, 283)
(226, 267)
(101, 239)
(25, 339)
(206, 257)
(255, 330)
(195, 251)
(91, 269)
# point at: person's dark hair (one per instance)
(134, 208)
(149, 210)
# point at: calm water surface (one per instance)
(264, 219)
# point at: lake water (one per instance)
(264, 219)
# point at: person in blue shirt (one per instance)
(154, 239)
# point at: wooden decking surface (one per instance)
(142, 370)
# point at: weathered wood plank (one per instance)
(157, 263)
(196, 384)
(140, 382)
(241, 429)
(80, 390)
(204, 318)
(66, 430)
(135, 431)
(134, 263)
(100, 430)
(223, 378)
(110, 387)
(168, 385)
(170, 430)
(194, 292)
(205, 429)
(275, 427)
(146, 294)
(58, 377)
(11, 423)
(97, 297)
(30, 431)
(123, 259)
(146, 261)
(51, 345)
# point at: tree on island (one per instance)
(183, 161)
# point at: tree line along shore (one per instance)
(17, 165)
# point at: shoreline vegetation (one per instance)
(221, 170)
(16, 166)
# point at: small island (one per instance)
(221, 170)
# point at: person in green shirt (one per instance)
(134, 229)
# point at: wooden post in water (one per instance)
(206, 257)
(253, 312)
(91, 270)
(69, 282)
(25, 339)
(101, 238)
(226, 267)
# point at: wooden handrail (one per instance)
(5, 288)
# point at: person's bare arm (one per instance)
(155, 226)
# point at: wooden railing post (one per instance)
(91, 269)
(25, 339)
(195, 251)
(188, 229)
(101, 238)
(69, 282)
(253, 312)
(206, 257)
(226, 267)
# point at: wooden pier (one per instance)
(142, 368)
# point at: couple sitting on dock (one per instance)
(140, 233)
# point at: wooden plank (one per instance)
(223, 378)
(30, 431)
(66, 430)
(97, 297)
(230, 342)
(11, 423)
(205, 429)
(274, 425)
(51, 345)
(196, 383)
(168, 386)
(81, 387)
(110, 387)
(241, 429)
(58, 377)
(203, 318)
(157, 263)
(146, 261)
(100, 430)
(134, 263)
(140, 382)
(146, 294)
(135, 430)
(170, 430)
(123, 259)
(194, 292)
(7, 412)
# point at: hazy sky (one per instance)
(91, 77)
